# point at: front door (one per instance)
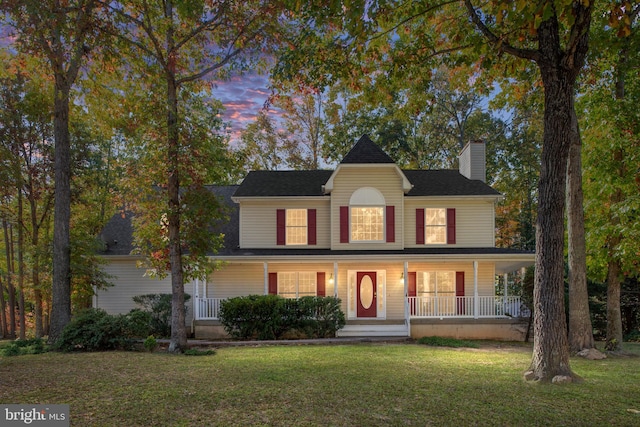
(367, 295)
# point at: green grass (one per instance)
(334, 385)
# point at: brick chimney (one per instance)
(472, 161)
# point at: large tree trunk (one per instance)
(550, 344)
(178, 342)
(580, 329)
(61, 290)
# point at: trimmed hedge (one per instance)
(270, 317)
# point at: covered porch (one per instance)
(399, 308)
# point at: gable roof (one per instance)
(309, 183)
(366, 151)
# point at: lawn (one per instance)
(312, 385)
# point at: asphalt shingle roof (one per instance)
(366, 152)
(283, 183)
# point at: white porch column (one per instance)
(266, 278)
(335, 279)
(405, 275)
(476, 303)
(505, 299)
(196, 300)
(506, 286)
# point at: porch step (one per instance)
(373, 330)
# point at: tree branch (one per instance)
(498, 42)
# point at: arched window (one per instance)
(366, 215)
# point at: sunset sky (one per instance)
(243, 97)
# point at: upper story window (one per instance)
(296, 227)
(367, 224)
(435, 226)
(367, 216)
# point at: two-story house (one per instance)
(409, 252)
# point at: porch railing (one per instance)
(207, 308)
(453, 306)
(419, 307)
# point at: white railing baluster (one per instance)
(456, 307)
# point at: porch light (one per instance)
(331, 279)
(402, 278)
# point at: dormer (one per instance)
(366, 154)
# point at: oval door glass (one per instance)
(366, 292)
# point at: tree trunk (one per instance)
(614, 318)
(550, 343)
(4, 331)
(8, 248)
(580, 329)
(61, 289)
(178, 342)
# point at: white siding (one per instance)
(258, 221)
(130, 281)
(475, 221)
(384, 179)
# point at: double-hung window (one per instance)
(435, 226)
(296, 227)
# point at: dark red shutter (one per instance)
(281, 226)
(273, 283)
(311, 226)
(451, 226)
(391, 224)
(419, 226)
(321, 291)
(460, 291)
(344, 224)
(413, 291)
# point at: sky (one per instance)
(243, 97)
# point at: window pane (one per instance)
(446, 282)
(435, 226)
(435, 217)
(287, 284)
(296, 227)
(306, 284)
(367, 224)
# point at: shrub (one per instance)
(266, 317)
(159, 308)
(21, 347)
(93, 330)
(150, 344)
